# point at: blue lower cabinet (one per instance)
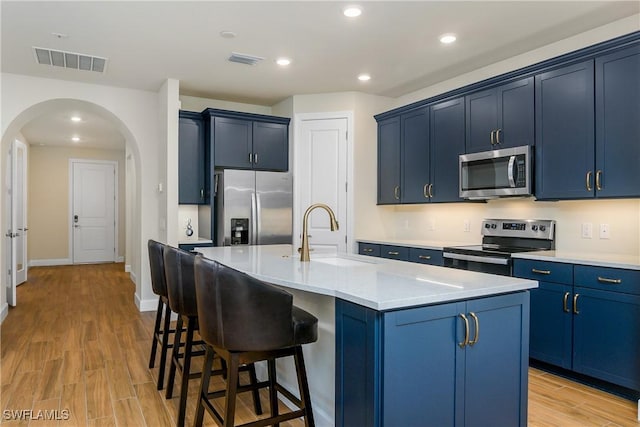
(418, 369)
(426, 256)
(400, 253)
(370, 249)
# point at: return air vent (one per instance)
(242, 58)
(76, 61)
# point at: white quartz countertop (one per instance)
(423, 244)
(377, 283)
(630, 262)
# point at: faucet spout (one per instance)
(304, 250)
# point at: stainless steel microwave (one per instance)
(496, 173)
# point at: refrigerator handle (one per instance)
(258, 219)
(254, 219)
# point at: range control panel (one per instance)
(524, 228)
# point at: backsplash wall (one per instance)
(445, 222)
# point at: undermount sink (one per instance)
(341, 262)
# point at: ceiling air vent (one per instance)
(76, 61)
(243, 58)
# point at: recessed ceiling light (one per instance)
(76, 119)
(227, 34)
(352, 11)
(447, 38)
(364, 77)
(75, 139)
(283, 61)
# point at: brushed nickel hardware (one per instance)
(255, 158)
(393, 253)
(424, 257)
(493, 141)
(424, 191)
(535, 270)
(498, 136)
(250, 157)
(612, 281)
(202, 193)
(565, 308)
(588, 183)
(430, 190)
(367, 250)
(575, 304)
(598, 180)
(304, 249)
(396, 192)
(477, 323)
(464, 343)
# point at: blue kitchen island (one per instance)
(402, 344)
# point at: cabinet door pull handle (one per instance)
(477, 323)
(575, 304)
(464, 343)
(588, 180)
(396, 192)
(202, 193)
(493, 138)
(393, 253)
(250, 158)
(611, 281)
(535, 270)
(424, 257)
(498, 136)
(255, 158)
(367, 250)
(599, 180)
(430, 190)
(425, 192)
(564, 302)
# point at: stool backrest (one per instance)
(240, 313)
(181, 288)
(156, 262)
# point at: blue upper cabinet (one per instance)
(415, 156)
(565, 133)
(192, 164)
(389, 161)
(500, 117)
(447, 143)
(618, 124)
(248, 141)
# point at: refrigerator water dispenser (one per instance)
(239, 231)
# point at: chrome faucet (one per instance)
(304, 250)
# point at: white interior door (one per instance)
(93, 211)
(17, 233)
(321, 172)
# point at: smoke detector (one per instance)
(72, 60)
(243, 58)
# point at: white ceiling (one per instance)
(395, 42)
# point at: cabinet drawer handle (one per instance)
(393, 253)
(477, 323)
(430, 190)
(493, 140)
(598, 180)
(464, 343)
(564, 302)
(575, 304)
(424, 257)
(535, 270)
(367, 250)
(498, 136)
(612, 281)
(588, 180)
(396, 192)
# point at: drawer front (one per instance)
(543, 271)
(425, 256)
(370, 249)
(609, 279)
(394, 252)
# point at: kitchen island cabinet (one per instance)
(393, 331)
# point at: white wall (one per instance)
(194, 103)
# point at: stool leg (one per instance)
(232, 389)
(255, 392)
(156, 329)
(165, 346)
(186, 366)
(174, 358)
(273, 393)
(304, 387)
(204, 386)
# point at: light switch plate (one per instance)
(587, 230)
(467, 226)
(604, 231)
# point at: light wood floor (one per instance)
(76, 341)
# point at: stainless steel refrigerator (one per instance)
(253, 207)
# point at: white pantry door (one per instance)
(18, 232)
(322, 175)
(93, 211)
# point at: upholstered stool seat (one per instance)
(245, 320)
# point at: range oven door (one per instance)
(479, 263)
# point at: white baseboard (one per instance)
(4, 312)
(120, 259)
(49, 262)
(133, 277)
(127, 268)
(147, 304)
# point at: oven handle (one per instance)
(474, 258)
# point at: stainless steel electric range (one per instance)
(500, 239)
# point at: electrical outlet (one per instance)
(467, 226)
(587, 230)
(604, 231)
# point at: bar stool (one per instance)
(159, 285)
(179, 272)
(245, 320)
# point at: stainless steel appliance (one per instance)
(496, 173)
(253, 207)
(500, 239)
